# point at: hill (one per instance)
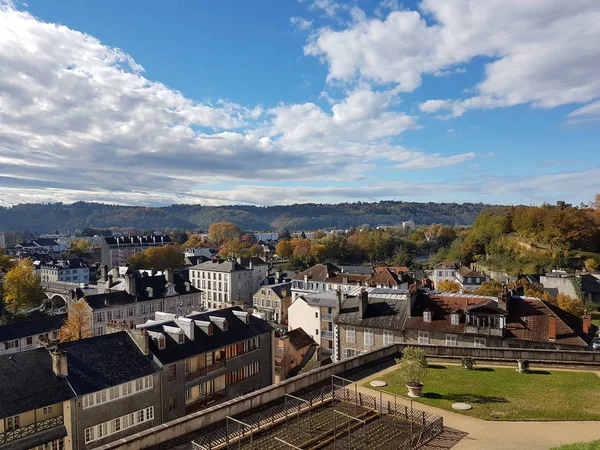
(47, 218)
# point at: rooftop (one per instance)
(219, 266)
(137, 240)
(17, 330)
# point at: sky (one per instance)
(147, 102)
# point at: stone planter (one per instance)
(468, 363)
(415, 391)
(523, 365)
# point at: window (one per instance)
(99, 331)
(349, 352)
(188, 365)
(120, 423)
(316, 331)
(131, 311)
(451, 340)
(46, 410)
(172, 372)
(172, 403)
(368, 337)
(423, 337)
(316, 315)
(455, 318)
(89, 434)
(152, 307)
(479, 342)
(11, 344)
(439, 273)
(188, 393)
(116, 392)
(388, 337)
(142, 309)
(99, 317)
(350, 335)
(29, 340)
(13, 423)
(426, 316)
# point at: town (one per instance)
(106, 334)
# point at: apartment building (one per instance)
(468, 279)
(209, 357)
(41, 246)
(75, 270)
(26, 335)
(444, 271)
(2, 240)
(271, 302)
(223, 283)
(260, 270)
(116, 250)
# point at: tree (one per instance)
(233, 248)
(489, 288)
(572, 305)
(6, 262)
(222, 232)
(285, 235)
(284, 249)
(194, 241)
(22, 287)
(159, 258)
(577, 284)
(138, 261)
(448, 286)
(80, 247)
(179, 237)
(303, 235)
(591, 265)
(78, 324)
(256, 250)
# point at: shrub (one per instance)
(412, 367)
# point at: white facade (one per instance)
(267, 236)
(222, 289)
(198, 251)
(66, 274)
(408, 225)
(302, 315)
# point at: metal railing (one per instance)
(204, 371)
(28, 430)
(326, 334)
(327, 317)
(486, 331)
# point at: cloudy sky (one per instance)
(272, 102)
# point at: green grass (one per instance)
(505, 394)
(595, 445)
(596, 318)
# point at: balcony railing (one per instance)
(327, 351)
(327, 317)
(204, 371)
(28, 430)
(486, 331)
(325, 334)
(205, 402)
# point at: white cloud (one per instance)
(543, 53)
(300, 23)
(592, 109)
(79, 120)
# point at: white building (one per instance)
(197, 251)
(19, 336)
(2, 240)
(259, 268)
(267, 236)
(468, 279)
(41, 245)
(408, 225)
(223, 283)
(74, 270)
(444, 271)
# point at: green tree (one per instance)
(179, 237)
(6, 262)
(22, 287)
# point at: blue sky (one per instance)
(274, 102)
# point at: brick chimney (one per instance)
(551, 328)
(587, 323)
(59, 363)
(169, 275)
(339, 300)
(363, 302)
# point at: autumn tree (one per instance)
(591, 265)
(22, 287)
(284, 249)
(80, 247)
(448, 286)
(138, 261)
(489, 288)
(233, 248)
(222, 232)
(78, 324)
(194, 241)
(159, 258)
(572, 305)
(256, 250)
(6, 262)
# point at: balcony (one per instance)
(326, 351)
(327, 317)
(325, 334)
(205, 402)
(204, 371)
(28, 430)
(484, 331)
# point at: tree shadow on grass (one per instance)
(435, 366)
(483, 369)
(539, 372)
(474, 398)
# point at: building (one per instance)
(2, 240)
(408, 225)
(564, 283)
(198, 251)
(116, 250)
(469, 280)
(209, 357)
(293, 350)
(259, 267)
(40, 246)
(19, 336)
(271, 302)
(136, 295)
(74, 270)
(223, 283)
(444, 271)
(267, 236)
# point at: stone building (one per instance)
(223, 283)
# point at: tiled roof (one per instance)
(103, 361)
(528, 321)
(466, 272)
(27, 382)
(385, 277)
(395, 269)
(299, 338)
(17, 330)
(319, 272)
(446, 264)
(236, 331)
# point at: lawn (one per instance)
(595, 445)
(504, 394)
(596, 318)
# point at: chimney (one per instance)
(110, 280)
(339, 300)
(59, 363)
(345, 280)
(130, 284)
(587, 324)
(552, 328)
(504, 298)
(363, 302)
(141, 339)
(151, 271)
(169, 275)
(187, 286)
(104, 273)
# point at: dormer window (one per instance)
(161, 342)
(426, 316)
(180, 338)
(224, 325)
(210, 329)
(455, 318)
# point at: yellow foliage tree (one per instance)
(22, 287)
(79, 247)
(284, 249)
(489, 288)
(78, 324)
(221, 232)
(591, 265)
(448, 286)
(572, 305)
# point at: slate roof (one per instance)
(279, 288)
(359, 270)
(138, 240)
(528, 321)
(219, 266)
(18, 330)
(237, 331)
(299, 338)
(386, 313)
(255, 260)
(73, 263)
(27, 382)
(103, 361)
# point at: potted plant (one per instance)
(468, 363)
(412, 368)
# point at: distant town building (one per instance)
(223, 283)
(266, 236)
(198, 251)
(307, 234)
(408, 225)
(468, 279)
(2, 240)
(117, 250)
(25, 335)
(41, 246)
(271, 302)
(75, 270)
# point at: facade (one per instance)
(564, 283)
(444, 271)
(266, 236)
(469, 280)
(2, 240)
(198, 251)
(271, 302)
(19, 336)
(74, 270)
(116, 250)
(293, 350)
(223, 283)
(260, 270)
(209, 357)
(408, 225)
(40, 246)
